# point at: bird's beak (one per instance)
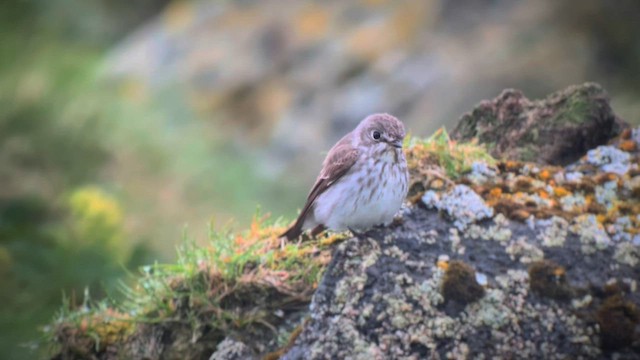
(396, 144)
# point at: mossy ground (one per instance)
(234, 283)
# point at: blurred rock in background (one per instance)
(284, 82)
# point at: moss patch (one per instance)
(459, 284)
(548, 279)
(433, 162)
(617, 319)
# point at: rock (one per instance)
(230, 349)
(561, 282)
(382, 297)
(557, 130)
(462, 205)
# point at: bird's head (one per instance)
(382, 129)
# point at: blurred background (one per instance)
(124, 124)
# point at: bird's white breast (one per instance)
(368, 195)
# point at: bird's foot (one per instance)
(317, 231)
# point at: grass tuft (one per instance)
(234, 282)
(438, 161)
(438, 149)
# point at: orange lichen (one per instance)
(544, 175)
(628, 145)
(442, 264)
(559, 271)
(601, 218)
(510, 166)
(560, 191)
(436, 184)
(626, 208)
(331, 239)
(495, 192)
(605, 177)
(633, 231)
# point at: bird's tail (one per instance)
(295, 230)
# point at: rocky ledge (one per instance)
(514, 260)
(535, 255)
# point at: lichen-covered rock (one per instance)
(462, 205)
(230, 349)
(560, 281)
(509, 260)
(557, 130)
(382, 296)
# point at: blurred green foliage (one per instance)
(84, 165)
(56, 235)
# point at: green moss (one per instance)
(454, 158)
(617, 319)
(575, 110)
(459, 283)
(528, 153)
(548, 279)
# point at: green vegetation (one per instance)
(52, 238)
(234, 282)
(439, 150)
(62, 226)
(576, 110)
(96, 179)
(427, 158)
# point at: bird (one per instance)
(363, 181)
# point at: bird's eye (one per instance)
(376, 135)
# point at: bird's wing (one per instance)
(337, 163)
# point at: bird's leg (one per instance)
(312, 235)
(317, 230)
